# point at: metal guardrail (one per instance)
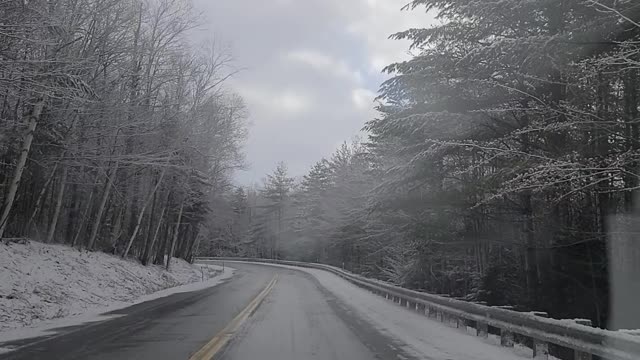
(585, 341)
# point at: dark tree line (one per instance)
(505, 153)
(116, 133)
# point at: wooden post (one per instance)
(482, 329)
(579, 355)
(506, 338)
(432, 312)
(540, 350)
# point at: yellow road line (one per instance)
(210, 349)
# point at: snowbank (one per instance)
(40, 282)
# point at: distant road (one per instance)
(267, 313)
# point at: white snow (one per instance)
(634, 332)
(424, 337)
(50, 286)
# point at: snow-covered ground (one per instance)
(40, 282)
(424, 337)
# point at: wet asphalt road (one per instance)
(297, 320)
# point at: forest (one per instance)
(117, 132)
(502, 166)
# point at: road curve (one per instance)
(297, 319)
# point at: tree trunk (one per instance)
(631, 133)
(117, 228)
(175, 235)
(43, 191)
(102, 206)
(162, 249)
(194, 243)
(149, 249)
(187, 239)
(72, 215)
(144, 207)
(84, 216)
(149, 231)
(22, 161)
(56, 213)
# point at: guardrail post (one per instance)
(506, 338)
(482, 329)
(579, 355)
(453, 320)
(432, 312)
(540, 350)
(461, 323)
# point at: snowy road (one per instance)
(301, 320)
(306, 314)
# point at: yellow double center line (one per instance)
(210, 349)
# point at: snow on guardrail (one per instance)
(584, 341)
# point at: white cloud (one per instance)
(362, 98)
(323, 62)
(312, 58)
(292, 102)
(380, 19)
(377, 63)
(279, 102)
(311, 71)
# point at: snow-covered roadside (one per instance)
(45, 328)
(423, 336)
(40, 283)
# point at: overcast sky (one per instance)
(311, 71)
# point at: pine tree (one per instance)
(276, 191)
(495, 139)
